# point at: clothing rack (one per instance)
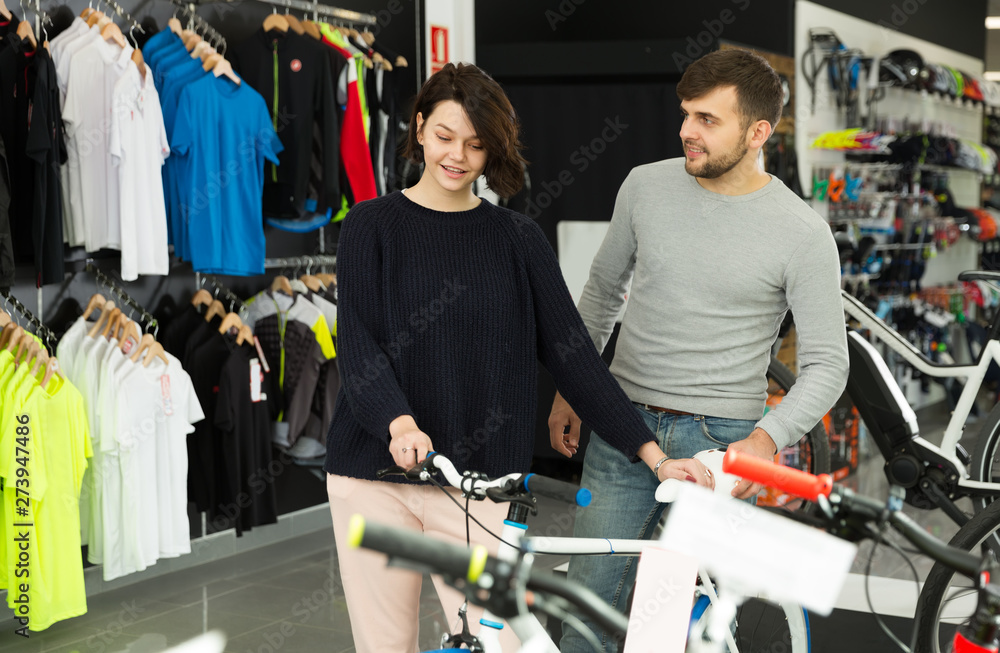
(317, 10)
(198, 24)
(41, 330)
(121, 13)
(309, 262)
(126, 299)
(227, 294)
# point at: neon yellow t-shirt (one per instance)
(59, 445)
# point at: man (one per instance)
(712, 252)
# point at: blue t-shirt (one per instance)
(157, 43)
(224, 132)
(168, 62)
(175, 80)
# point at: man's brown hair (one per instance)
(759, 95)
(492, 117)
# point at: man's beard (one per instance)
(713, 169)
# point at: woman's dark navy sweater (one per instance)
(443, 316)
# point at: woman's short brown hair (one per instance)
(759, 95)
(491, 114)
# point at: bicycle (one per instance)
(933, 476)
(519, 490)
(852, 516)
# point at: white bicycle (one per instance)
(502, 585)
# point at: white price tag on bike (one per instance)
(754, 552)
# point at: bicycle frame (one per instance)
(972, 374)
(528, 628)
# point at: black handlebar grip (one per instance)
(559, 490)
(440, 557)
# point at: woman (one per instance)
(446, 302)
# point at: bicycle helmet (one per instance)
(901, 68)
(971, 88)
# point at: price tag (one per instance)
(256, 376)
(168, 404)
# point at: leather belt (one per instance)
(665, 410)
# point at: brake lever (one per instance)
(414, 473)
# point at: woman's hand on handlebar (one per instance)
(409, 445)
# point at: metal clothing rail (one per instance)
(41, 330)
(294, 262)
(125, 298)
(318, 10)
(227, 294)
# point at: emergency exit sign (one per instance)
(439, 47)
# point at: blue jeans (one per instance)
(624, 507)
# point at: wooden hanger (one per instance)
(4, 11)
(174, 25)
(276, 21)
(129, 336)
(9, 336)
(231, 321)
(97, 300)
(111, 324)
(223, 67)
(139, 62)
(245, 334)
(192, 40)
(202, 298)
(313, 283)
(112, 32)
(86, 12)
(282, 284)
(25, 348)
(155, 351)
(199, 48)
(50, 369)
(94, 17)
(25, 31)
(210, 61)
(106, 311)
(294, 24)
(4, 319)
(327, 279)
(312, 29)
(144, 344)
(215, 308)
(39, 360)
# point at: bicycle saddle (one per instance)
(979, 275)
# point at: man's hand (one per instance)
(562, 418)
(759, 444)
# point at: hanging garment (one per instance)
(224, 133)
(292, 73)
(139, 148)
(45, 435)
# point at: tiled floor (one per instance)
(286, 597)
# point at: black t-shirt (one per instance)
(175, 336)
(46, 148)
(243, 427)
(293, 74)
(204, 365)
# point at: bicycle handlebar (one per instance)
(811, 487)
(476, 564)
(479, 485)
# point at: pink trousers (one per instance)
(384, 603)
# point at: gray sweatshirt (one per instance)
(709, 279)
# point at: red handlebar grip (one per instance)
(793, 481)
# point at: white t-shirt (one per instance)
(94, 70)
(69, 172)
(176, 411)
(139, 147)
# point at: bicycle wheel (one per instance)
(763, 626)
(950, 596)
(811, 453)
(986, 456)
